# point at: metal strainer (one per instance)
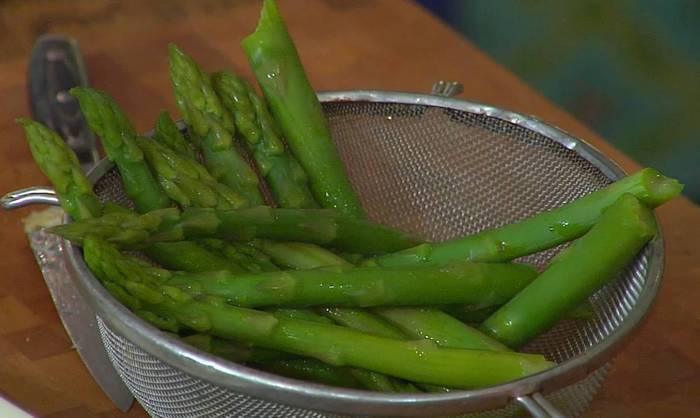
(439, 167)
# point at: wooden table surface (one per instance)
(389, 45)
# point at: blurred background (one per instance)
(629, 69)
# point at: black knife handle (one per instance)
(55, 67)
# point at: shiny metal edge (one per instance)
(275, 388)
(77, 316)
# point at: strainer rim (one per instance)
(256, 383)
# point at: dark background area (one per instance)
(629, 69)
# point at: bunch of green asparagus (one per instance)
(302, 284)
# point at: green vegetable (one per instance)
(137, 285)
(235, 351)
(439, 327)
(243, 254)
(118, 136)
(294, 104)
(299, 255)
(542, 231)
(362, 320)
(470, 315)
(319, 226)
(186, 181)
(287, 180)
(575, 274)
(468, 283)
(77, 198)
(314, 371)
(58, 162)
(211, 126)
(189, 256)
(370, 380)
(168, 134)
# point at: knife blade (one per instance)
(55, 67)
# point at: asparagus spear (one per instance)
(335, 345)
(319, 226)
(294, 104)
(297, 313)
(542, 231)
(211, 126)
(299, 255)
(77, 198)
(289, 186)
(235, 351)
(169, 134)
(122, 146)
(575, 274)
(435, 325)
(287, 180)
(118, 136)
(315, 371)
(470, 315)
(176, 158)
(469, 283)
(299, 368)
(364, 321)
(189, 256)
(414, 322)
(245, 255)
(370, 380)
(61, 166)
(186, 181)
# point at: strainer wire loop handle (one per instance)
(29, 196)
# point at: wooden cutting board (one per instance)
(362, 44)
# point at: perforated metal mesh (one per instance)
(441, 173)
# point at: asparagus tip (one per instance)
(24, 121)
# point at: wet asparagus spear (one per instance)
(299, 255)
(476, 316)
(211, 126)
(468, 283)
(439, 327)
(369, 379)
(275, 62)
(169, 134)
(235, 351)
(335, 345)
(403, 323)
(244, 254)
(361, 320)
(186, 181)
(319, 226)
(575, 274)
(120, 141)
(314, 371)
(58, 162)
(118, 137)
(287, 180)
(541, 231)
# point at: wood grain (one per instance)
(389, 45)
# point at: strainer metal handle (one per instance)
(29, 196)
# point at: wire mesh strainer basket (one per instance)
(432, 165)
